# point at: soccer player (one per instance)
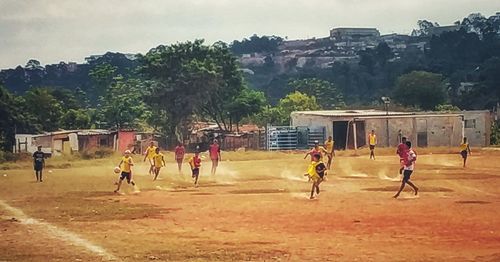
(316, 172)
(410, 159)
(464, 150)
(126, 165)
(215, 156)
(38, 163)
(150, 152)
(402, 151)
(330, 151)
(317, 149)
(372, 140)
(195, 163)
(180, 151)
(159, 162)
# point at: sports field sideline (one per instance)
(255, 208)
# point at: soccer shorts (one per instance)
(407, 174)
(126, 175)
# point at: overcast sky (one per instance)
(69, 30)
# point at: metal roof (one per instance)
(350, 113)
(82, 132)
(375, 113)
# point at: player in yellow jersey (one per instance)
(148, 154)
(372, 141)
(159, 162)
(330, 151)
(464, 150)
(316, 172)
(126, 165)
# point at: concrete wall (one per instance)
(308, 120)
(440, 130)
(480, 135)
(126, 140)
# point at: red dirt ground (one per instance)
(259, 210)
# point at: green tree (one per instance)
(122, 106)
(327, 95)
(420, 89)
(102, 76)
(192, 78)
(8, 119)
(75, 119)
(446, 108)
(295, 101)
(248, 103)
(47, 110)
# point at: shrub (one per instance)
(6, 156)
(97, 153)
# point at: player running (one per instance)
(464, 150)
(159, 162)
(215, 156)
(195, 163)
(150, 152)
(316, 172)
(402, 151)
(372, 140)
(38, 163)
(180, 151)
(126, 166)
(408, 170)
(316, 150)
(330, 151)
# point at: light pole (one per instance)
(387, 101)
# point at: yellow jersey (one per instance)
(158, 160)
(127, 163)
(372, 139)
(311, 170)
(150, 152)
(329, 146)
(464, 146)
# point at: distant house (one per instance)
(68, 141)
(438, 30)
(352, 33)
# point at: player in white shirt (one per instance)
(409, 166)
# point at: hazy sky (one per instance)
(68, 30)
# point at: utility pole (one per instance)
(387, 101)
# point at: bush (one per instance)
(495, 134)
(6, 156)
(97, 153)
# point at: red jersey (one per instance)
(179, 152)
(315, 151)
(402, 150)
(214, 151)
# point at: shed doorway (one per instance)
(360, 135)
(340, 134)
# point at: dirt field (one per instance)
(256, 208)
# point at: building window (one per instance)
(103, 142)
(470, 123)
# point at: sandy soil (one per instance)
(259, 210)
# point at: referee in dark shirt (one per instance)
(38, 163)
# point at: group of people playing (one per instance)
(317, 170)
(157, 160)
